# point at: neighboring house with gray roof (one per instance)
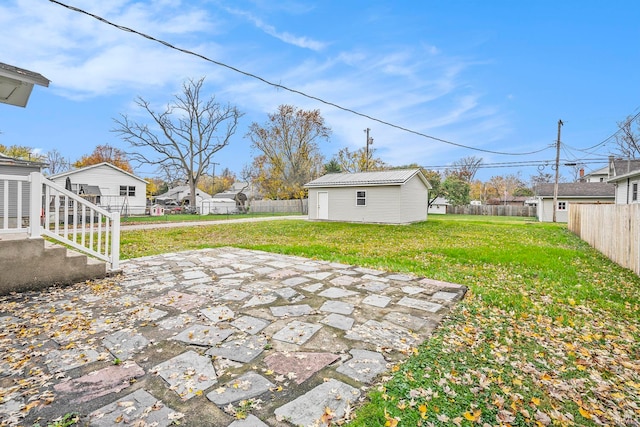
(626, 187)
(390, 197)
(107, 186)
(16, 84)
(573, 192)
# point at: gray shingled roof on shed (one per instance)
(578, 189)
(388, 177)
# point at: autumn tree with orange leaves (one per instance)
(105, 153)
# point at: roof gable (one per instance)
(577, 189)
(359, 179)
(98, 165)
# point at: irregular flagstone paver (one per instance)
(419, 304)
(337, 307)
(308, 409)
(180, 300)
(124, 343)
(373, 286)
(301, 364)
(66, 360)
(445, 296)
(260, 300)
(250, 325)
(412, 290)
(111, 379)
(217, 314)
(187, 373)
(115, 312)
(148, 314)
(250, 421)
(380, 301)
(247, 386)
(203, 335)
(407, 320)
(235, 295)
(364, 366)
(139, 405)
(286, 292)
(338, 321)
(240, 350)
(177, 322)
(291, 310)
(296, 332)
(383, 334)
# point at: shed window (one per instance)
(634, 192)
(361, 198)
(128, 190)
(562, 206)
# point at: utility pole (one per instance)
(369, 142)
(213, 178)
(555, 186)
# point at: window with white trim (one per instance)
(562, 206)
(128, 190)
(361, 198)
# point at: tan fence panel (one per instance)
(613, 230)
(280, 206)
(493, 210)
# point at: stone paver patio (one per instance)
(216, 337)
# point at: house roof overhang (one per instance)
(16, 84)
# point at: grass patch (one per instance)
(193, 217)
(547, 335)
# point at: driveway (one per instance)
(215, 337)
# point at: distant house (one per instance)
(574, 192)
(238, 197)
(389, 197)
(107, 186)
(438, 206)
(616, 167)
(181, 194)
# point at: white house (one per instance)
(626, 187)
(107, 186)
(438, 206)
(574, 192)
(391, 197)
(181, 194)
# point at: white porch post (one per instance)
(35, 205)
(115, 240)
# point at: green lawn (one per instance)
(548, 333)
(193, 217)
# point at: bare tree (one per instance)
(628, 138)
(188, 133)
(56, 162)
(465, 168)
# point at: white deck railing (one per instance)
(54, 212)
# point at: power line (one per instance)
(280, 86)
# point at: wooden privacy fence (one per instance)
(493, 210)
(613, 230)
(279, 206)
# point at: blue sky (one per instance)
(494, 75)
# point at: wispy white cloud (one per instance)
(286, 37)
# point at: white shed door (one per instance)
(323, 205)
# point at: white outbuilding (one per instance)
(390, 197)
